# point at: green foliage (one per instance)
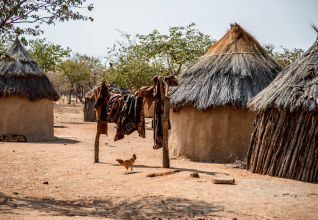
(48, 55)
(78, 74)
(137, 59)
(3, 49)
(289, 56)
(36, 12)
(284, 58)
(181, 47)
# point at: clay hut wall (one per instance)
(220, 134)
(211, 99)
(33, 119)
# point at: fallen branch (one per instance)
(163, 174)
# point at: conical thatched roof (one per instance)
(295, 88)
(20, 75)
(233, 71)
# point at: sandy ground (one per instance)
(78, 188)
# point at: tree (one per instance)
(288, 56)
(3, 48)
(79, 74)
(36, 12)
(181, 47)
(284, 58)
(47, 55)
(137, 59)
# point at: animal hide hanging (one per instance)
(101, 101)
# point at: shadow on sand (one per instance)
(172, 168)
(147, 207)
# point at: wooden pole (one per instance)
(96, 148)
(165, 120)
(165, 149)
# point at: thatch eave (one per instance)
(294, 89)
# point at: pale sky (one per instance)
(281, 22)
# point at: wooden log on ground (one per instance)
(163, 173)
(223, 180)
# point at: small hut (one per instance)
(285, 139)
(89, 107)
(26, 96)
(210, 120)
(89, 104)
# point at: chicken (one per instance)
(128, 163)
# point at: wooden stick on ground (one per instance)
(96, 148)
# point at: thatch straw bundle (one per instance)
(20, 75)
(232, 72)
(285, 139)
(294, 89)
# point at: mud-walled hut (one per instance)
(89, 107)
(285, 139)
(89, 104)
(209, 116)
(26, 96)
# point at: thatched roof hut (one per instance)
(89, 105)
(210, 120)
(26, 96)
(285, 140)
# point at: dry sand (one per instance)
(78, 188)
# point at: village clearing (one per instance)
(58, 180)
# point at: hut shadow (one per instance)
(146, 207)
(76, 123)
(131, 172)
(140, 166)
(199, 171)
(59, 126)
(61, 140)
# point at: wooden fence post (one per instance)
(165, 122)
(96, 148)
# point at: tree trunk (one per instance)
(70, 97)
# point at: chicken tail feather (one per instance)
(119, 160)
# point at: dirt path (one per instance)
(78, 188)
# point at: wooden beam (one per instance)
(165, 122)
(96, 148)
